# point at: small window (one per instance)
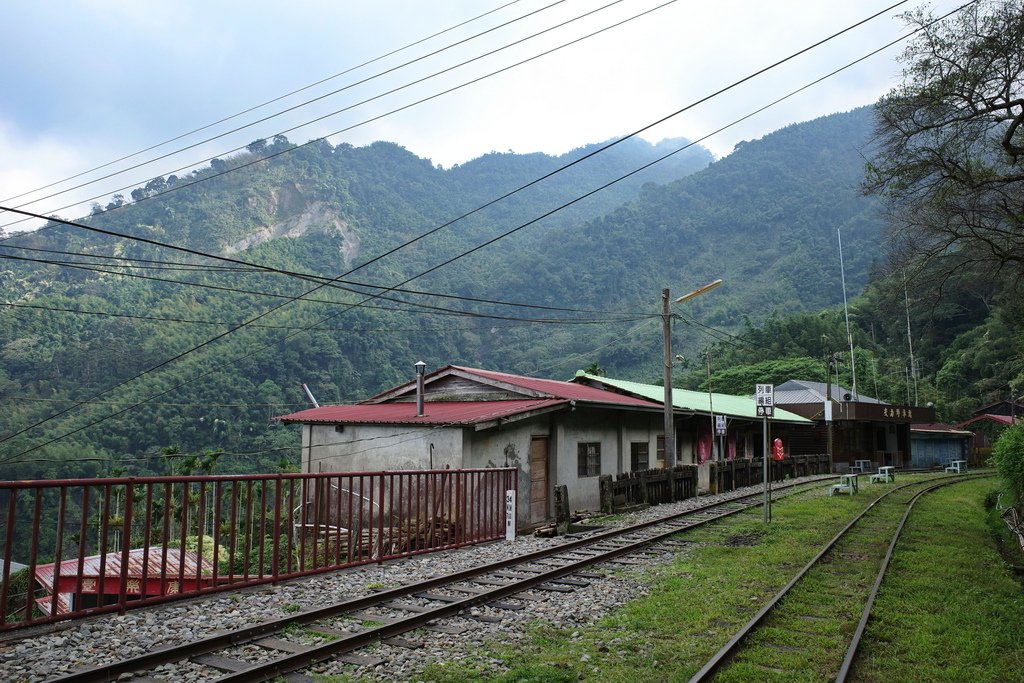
(638, 456)
(659, 454)
(589, 459)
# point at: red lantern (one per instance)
(777, 450)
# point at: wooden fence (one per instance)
(652, 487)
(648, 487)
(729, 475)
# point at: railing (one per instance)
(648, 487)
(101, 545)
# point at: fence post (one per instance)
(604, 486)
(126, 546)
(380, 521)
(275, 564)
(562, 509)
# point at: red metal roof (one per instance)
(435, 412)
(1000, 419)
(112, 567)
(572, 391)
(555, 393)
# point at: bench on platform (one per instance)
(958, 466)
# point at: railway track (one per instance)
(811, 629)
(281, 647)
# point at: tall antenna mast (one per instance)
(910, 341)
(849, 337)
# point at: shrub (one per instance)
(1008, 457)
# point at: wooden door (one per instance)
(538, 478)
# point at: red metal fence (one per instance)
(100, 545)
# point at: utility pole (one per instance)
(711, 409)
(829, 360)
(666, 346)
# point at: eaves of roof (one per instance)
(451, 413)
(938, 428)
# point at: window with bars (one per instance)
(659, 453)
(589, 459)
(639, 456)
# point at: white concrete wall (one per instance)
(614, 432)
(509, 446)
(370, 448)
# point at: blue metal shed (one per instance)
(932, 445)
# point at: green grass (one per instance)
(952, 610)
(716, 585)
(694, 606)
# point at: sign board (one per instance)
(720, 425)
(510, 515)
(828, 411)
(765, 398)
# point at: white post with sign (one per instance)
(765, 397)
(510, 515)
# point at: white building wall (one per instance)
(509, 446)
(615, 433)
(369, 448)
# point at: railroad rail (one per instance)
(836, 587)
(389, 613)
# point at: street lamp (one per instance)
(666, 344)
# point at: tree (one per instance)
(949, 161)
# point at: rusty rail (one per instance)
(103, 545)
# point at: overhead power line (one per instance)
(348, 108)
(253, 108)
(249, 267)
(563, 206)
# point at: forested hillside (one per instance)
(90, 311)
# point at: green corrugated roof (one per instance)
(697, 401)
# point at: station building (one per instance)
(863, 427)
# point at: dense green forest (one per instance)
(100, 320)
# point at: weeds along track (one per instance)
(281, 647)
(811, 629)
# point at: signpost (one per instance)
(765, 398)
(719, 425)
(510, 515)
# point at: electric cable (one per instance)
(580, 198)
(521, 188)
(350, 107)
(286, 95)
(347, 330)
(260, 268)
(421, 307)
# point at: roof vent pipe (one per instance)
(420, 367)
(309, 395)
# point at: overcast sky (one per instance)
(88, 81)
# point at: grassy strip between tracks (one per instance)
(950, 611)
(956, 596)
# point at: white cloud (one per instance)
(131, 74)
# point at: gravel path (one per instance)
(75, 645)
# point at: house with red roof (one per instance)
(555, 432)
(987, 427)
